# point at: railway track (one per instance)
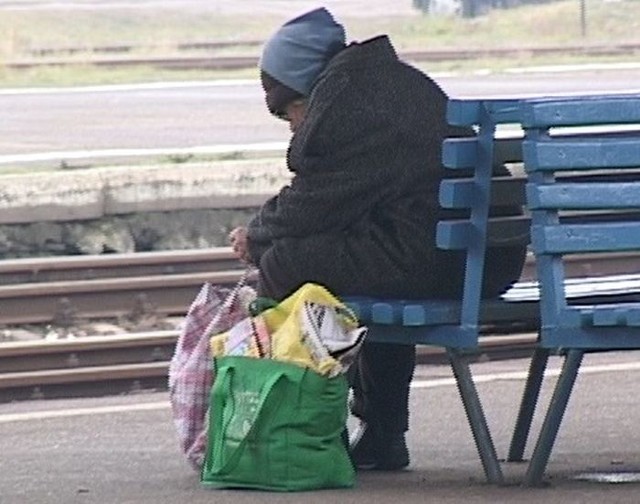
(48, 290)
(85, 366)
(130, 363)
(45, 290)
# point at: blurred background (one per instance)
(140, 125)
(104, 41)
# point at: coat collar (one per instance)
(378, 48)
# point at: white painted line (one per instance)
(417, 384)
(587, 67)
(143, 86)
(41, 415)
(522, 375)
(115, 153)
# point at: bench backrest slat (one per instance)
(592, 153)
(501, 232)
(474, 112)
(583, 238)
(580, 111)
(505, 191)
(584, 196)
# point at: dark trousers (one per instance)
(380, 381)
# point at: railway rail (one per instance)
(210, 62)
(46, 290)
(37, 291)
(90, 267)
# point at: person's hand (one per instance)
(238, 241)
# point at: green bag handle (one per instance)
(225, 377)
(260, 304)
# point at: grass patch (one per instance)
(552, 23)
(28, 31)
(159, 29)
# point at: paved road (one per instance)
(136, 117)
(118, 450)
(183, 115)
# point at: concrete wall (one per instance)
(133, 208)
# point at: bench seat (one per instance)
(435, 322)
(606, 315)
(418, 313)
(519, 305)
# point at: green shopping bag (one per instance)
(276, 426)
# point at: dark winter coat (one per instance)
(360, 213)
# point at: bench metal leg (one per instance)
(551, 424)
(528, 404)
(476, 417)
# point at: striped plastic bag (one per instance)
(214, 310)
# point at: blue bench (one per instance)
(584, 196)
(456, 324)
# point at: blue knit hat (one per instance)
(298, 51)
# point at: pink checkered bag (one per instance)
(214, 310)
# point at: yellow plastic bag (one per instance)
(289, 341)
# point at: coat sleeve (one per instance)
(315, 204)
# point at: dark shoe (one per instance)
(372, 450)
(393, 453)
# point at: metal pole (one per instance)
(583, 18)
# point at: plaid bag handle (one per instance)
(231, 299)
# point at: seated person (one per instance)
(359, 215)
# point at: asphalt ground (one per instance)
(124, 450)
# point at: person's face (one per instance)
(294, 113)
